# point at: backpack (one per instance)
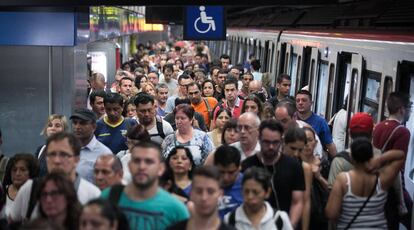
(160, 130)
(210, 112)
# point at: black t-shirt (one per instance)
(183, 225)
(287, 176)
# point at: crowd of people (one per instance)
(181, 141)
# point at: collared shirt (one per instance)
(242, 153)
(88, 156)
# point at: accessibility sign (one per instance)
(204, 23)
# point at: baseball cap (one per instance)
(84, 114)
(361, 123)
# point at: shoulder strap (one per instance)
(207, 104)
(331, 122)
(115, 194)
(232, 218)
(389, 138)
(160, 130)
(32, 199)
(365, 203)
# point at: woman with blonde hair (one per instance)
(148, 88)
(55, 123)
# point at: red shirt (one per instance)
(399, 140)
(235, 112)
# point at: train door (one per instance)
(405, 83)
(352, 92)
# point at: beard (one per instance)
(269, 155)
(144, 185)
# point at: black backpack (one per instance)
(160, 130)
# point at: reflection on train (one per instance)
(358, 69)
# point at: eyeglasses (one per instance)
(268, 143)
(60, 155)
(248, 128)
(53, 194)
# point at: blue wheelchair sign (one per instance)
(204, 23)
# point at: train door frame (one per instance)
(266, 56)
(315, 55)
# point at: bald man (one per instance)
(256, 87)
(107, 171)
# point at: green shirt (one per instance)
(155, 213)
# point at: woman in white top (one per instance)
(255, 212)
(20, 168)
(352, 189)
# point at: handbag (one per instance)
(363, 205)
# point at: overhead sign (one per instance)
(204, 23)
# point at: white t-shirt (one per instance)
(339, 130)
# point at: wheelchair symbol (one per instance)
(204, 20)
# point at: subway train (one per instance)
(353, 68)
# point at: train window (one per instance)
(330, 97)
(387, 90)
(371, 92)
(353, 86)
(293, 72)
(322, 88)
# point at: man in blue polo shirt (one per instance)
(319, 124)
(227, 160)
(112, 128)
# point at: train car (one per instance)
(355, 68)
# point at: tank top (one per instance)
(371, 217)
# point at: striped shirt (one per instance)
(371, 217)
